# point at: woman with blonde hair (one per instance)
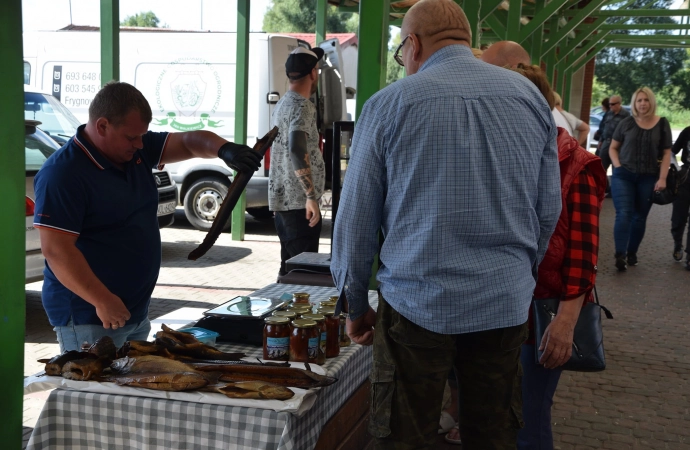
(638, 144)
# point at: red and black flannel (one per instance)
(580, 262)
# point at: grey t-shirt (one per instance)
(293, 113)
(641, 149)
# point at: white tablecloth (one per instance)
(83, 420)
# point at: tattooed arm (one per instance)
(300, 163)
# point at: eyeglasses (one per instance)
(614, 103)
(396, 55)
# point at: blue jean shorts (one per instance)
(71, 337)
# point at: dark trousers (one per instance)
(538, 387)
(409, 373)
(679, 217)
(296, 236)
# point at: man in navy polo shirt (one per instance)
(96, 204)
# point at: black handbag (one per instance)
(674, 180)
(588, 340)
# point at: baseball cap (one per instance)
(301, 62)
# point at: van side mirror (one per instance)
(272, 98)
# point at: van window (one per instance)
(27, 73)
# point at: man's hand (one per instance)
(361, 330)
(313, 212)
(113, 313)
(240, 157)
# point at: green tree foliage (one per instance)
(299, 16)
(626, 69)
(600, 91)
(394, 71)
(144, 19)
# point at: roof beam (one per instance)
(642, 13)
(513, 23)
(542, 16)
(583, 51)
(556, 38)
(646, 26)
(495, 24)
(597, 48)
(488, 7)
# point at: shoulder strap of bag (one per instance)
(604, 308)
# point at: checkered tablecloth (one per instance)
(82, 420)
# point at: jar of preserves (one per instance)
(277, 338)
(291, 315)
(300, 309)
(304, 341)
(332, 332)
(321, 322)
(344, 339)
(333, 298)
(300, 298)
(327, 304)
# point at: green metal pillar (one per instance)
(321, 8)
(565, 88)
(537, 36)
(472, 11)
(241, 87)
(110, 40)
(371, 59)
(12, 223)
(513, 25)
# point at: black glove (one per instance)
(240, 157)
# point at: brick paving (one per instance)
(639, 402)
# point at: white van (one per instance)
(189, 80)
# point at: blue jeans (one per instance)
(632, 198)
(71, 337)
(538, 387)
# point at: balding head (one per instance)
(506, 54)
(433, 25)
(615, 103)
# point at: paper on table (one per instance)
(297, 405)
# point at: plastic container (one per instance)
(204, 336)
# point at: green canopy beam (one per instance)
(574, 22)
(582, 52)
(513, 23)
(488, 7)
(495, 24)
(12, 225)
(646, 26)
(321, 6)
(242, 85)
(648, 38)
(371, 59)
(110, 40)
(536, 35)
(583, 34)
(597, 48)
(540, 18)
(472, 12)
(642, 13)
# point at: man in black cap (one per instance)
(297, 174)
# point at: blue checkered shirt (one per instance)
(457, 166)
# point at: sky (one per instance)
(215, 15)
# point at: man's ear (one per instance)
(416, 47)
(102, 126)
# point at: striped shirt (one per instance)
(457, 166)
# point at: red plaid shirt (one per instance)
(580, 263)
